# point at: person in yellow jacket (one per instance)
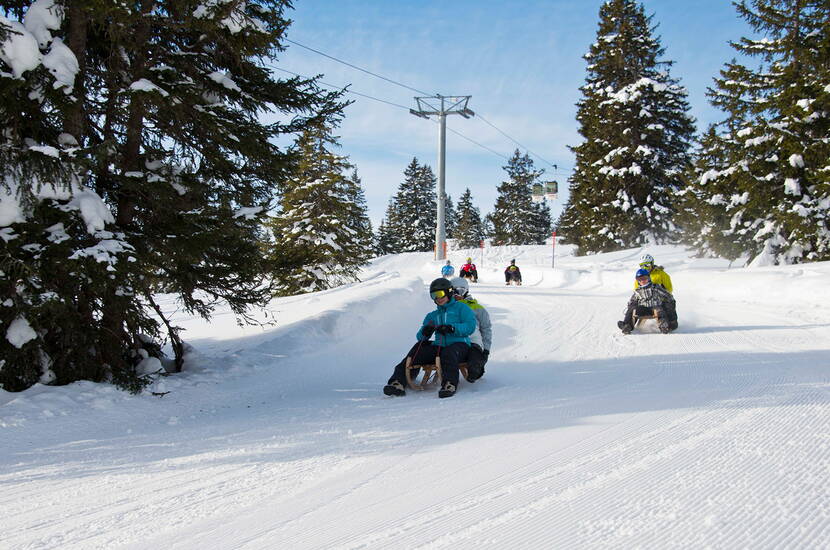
(656, 272)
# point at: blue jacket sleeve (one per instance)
(468, 320)
(427, 321)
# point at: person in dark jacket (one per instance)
(512, 273)
(648, 298)
(452, 322)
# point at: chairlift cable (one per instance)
(360, 68)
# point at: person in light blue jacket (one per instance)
(448, 270)
(452, 322)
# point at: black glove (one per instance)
(445, 329)
(486, 353)
(426, 332)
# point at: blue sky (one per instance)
(521, 61)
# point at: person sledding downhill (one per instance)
(469, 271)
(656, 272)
(649, 300)
(452, 323)
(482, 338)
(513, 274)
(447, 270)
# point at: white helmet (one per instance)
(461, 286)
(647, 259)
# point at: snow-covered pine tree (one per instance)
(637, 135)
(358, 218)
(764, 174)
(469, 229)
(516, 219)
(450, 217)
(135, 162)
(322, 236)
(413, 210)
(387, 240)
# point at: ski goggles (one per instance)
(438, 294)
(647, 265)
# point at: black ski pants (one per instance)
(424, 353)
(475, 362)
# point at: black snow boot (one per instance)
(474, 372)
(394, 388)
(447, 390)
(624, 327)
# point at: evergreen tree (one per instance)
(763, 176)
(387, 241)
(322, 233)
(134, 160)
(358, 217)
(633, 116)
(450, 220)
(515, 218)
(469, 230)
(410, 217)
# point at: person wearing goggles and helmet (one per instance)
(469, 271)
(452, 322)
(648, 298)
(482, 338)
(658, 275)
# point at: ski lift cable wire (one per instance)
(554, 166)
(359, 68)
(345, 89)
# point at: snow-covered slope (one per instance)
(717, 435)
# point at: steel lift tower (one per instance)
(441, 106)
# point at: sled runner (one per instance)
(428, 374)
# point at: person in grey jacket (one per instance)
(482, 338)
(647, 298)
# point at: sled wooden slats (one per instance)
(639, 320)
(419, 377)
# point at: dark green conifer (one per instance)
(515, 218)
(159, 131)
(322, 233)
(469, 229)
(633, 116)
(763, 174)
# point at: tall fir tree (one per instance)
(322, 232)
(516, 219)
(386, 238)
(763, 176)
(469, 229)
(410, 218)
(134, 159)
(450, 217)
(637, 134)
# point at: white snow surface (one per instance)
(715, 436)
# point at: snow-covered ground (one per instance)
(716, 436)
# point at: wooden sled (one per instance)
(427, 374)
(639, 319)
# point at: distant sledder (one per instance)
(513, 274)
(447, 270)
(452, 323)
(469, 271)
(649, 301)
